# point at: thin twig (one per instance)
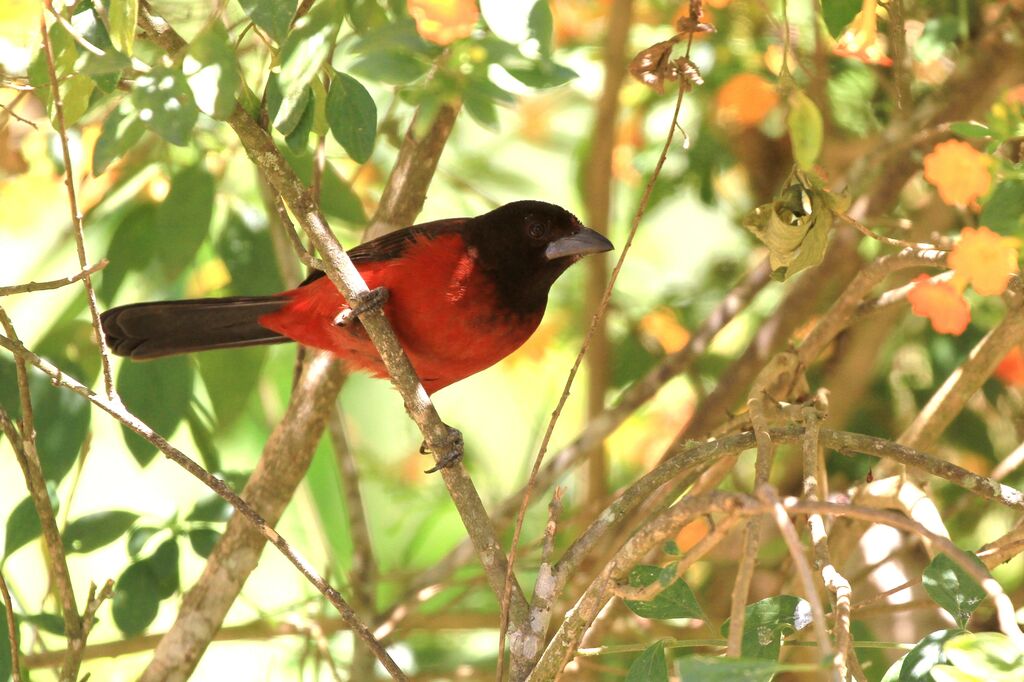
(891, 241)
(768, 495)
(76, 215)
(115, 409)
(8, 110)
(308, 259)
(576, 365)
(53, 283)
(12, 631)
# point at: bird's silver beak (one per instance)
(580, 244)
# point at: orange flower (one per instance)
(985, 259)
(745, 100)
(1015, 95)
(861, 40)
(941, 303)
(959, 171)
(444, 21)
(662, 326)
(1011, 368)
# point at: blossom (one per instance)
(1010, 369)
(959, 171)
(860, 40)
(745, 100)
(985, 259)
(662, 326)
(444, 21)
(941, 303)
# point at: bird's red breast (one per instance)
(443, 306)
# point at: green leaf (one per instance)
(165, 104)
(542, 26)
(367, 15)
(952, 588)
(273, 16)
(71, 342)
(230, 377)
(989, 656)
(303, 53)
(806, 129)
(676, 601)
(107, 68)
(135, 600)
(5, 646)
(1003, 211)
(138, 537)
(393, 68)
(709, 669)
(211, 70)
(158, 393)
(481, 108)
(338, 200)
(768, 621)
(121, 130)
(88, 533)
(23, 524)
(76, 94)
(245, 246)
(352, 116)
(211, 508)
(123, 15)
(539, 74)
(298, 139)
(796, 226)
(62, 421)
(671, 548)
(182, 221)
(203, 540)
(970, 129)
(47, 622)
(131, 249)
(650, 666)
(919, 661)
(164, 566)
(285, 124)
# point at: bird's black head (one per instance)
(526, 245)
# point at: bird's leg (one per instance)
(371, 300)
(455, 450)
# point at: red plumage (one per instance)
(463, 294)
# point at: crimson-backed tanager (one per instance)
(462, 294)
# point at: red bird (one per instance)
(463, 293)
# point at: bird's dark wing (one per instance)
(393, 244)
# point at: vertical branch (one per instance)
(767, 495)
(12, 626)
(28, 459)
(76, 216)
(406, 188)
(598, 182)
(363, 577)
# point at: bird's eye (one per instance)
(536, 230)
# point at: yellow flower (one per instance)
(985, 259)
(959, 171)
(444, 21)
(861, 40)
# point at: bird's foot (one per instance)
(453, 451)
(371, 300)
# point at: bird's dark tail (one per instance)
(152, 330)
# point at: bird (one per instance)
(460, 293)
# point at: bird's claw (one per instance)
(455, 447)
(371, 300)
